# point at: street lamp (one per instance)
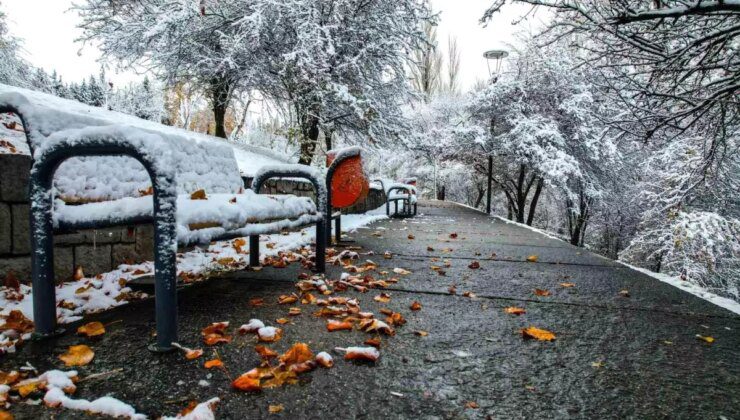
(495, 58)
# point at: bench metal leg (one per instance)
(338, 229)
(388, 208)
(395, 204)
(165, 279)
(42, 259)
(254, 250)
(320, 247)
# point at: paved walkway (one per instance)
(614, 356)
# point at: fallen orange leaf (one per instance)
(411, 236)
(370, 354)
(79, 355)
(79, 274)
(11, 281)
(215, 363)
(567, 284)
(537, 333)
(375, 342)
(532, 258)
(192, 354)
(255, 302)
(334, 325)
(247, 383)
(199, 195)
(17, 322)
(542, 292)
(383, 298)
(421, 333)
(375, 325)
(282, 321)
(287, 299)
(299, 353)
(265, 352)
(415, 306)
(91, 329)
(216, 333)
(395, 319)
(9, 378)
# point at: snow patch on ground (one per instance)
(89, 295)
(694, 289)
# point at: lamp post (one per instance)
(494, 58)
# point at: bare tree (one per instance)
(453, 65)
(427, 70)
(672, 63)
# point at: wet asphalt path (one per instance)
(614, 356)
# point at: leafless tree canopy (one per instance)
(674, 63)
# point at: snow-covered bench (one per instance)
(403, 192)
(346, 184)
(195, 195)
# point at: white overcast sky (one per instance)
(48, 31)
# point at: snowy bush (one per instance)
(699, 247)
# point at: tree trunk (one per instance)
(479, 198)
(309, 140)
(327, 139)
(521, 197)
(533, 203)
(220, 99)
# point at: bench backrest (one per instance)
(201, 161)
(349, 183)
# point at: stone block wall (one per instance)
(95, 250)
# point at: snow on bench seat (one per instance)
(402, 196)
(199, 221)
(200, 161)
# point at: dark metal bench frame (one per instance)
(165, 229)
(321, 198)
(407, 205)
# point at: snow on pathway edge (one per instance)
(674, 281)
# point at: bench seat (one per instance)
(198, 221)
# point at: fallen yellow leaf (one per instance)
(567, 284)
(532, 258)
(514, 310)
(705, 338)
(537, 333)
(274, 409)
(91, 329)
(79, 355)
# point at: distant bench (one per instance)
(400, 192)
(58, 130)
